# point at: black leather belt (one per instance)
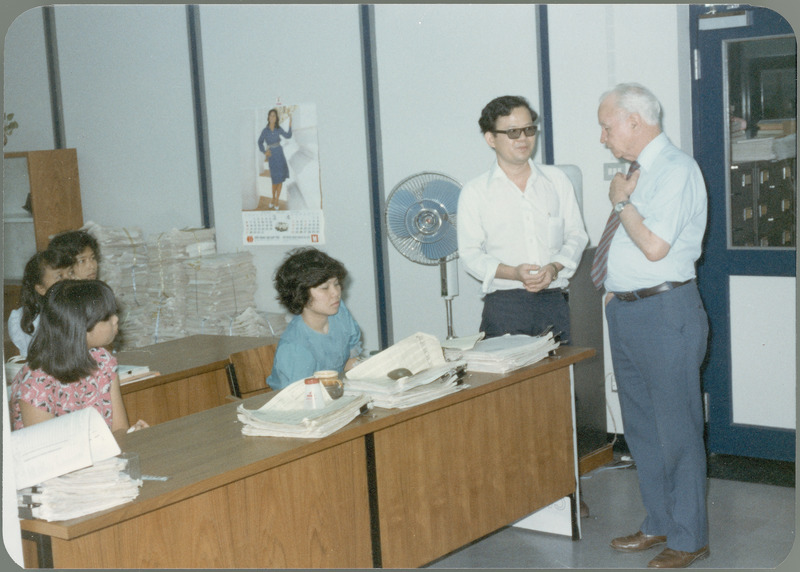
(647, 292)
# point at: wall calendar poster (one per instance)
(282, 194)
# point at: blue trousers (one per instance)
(521, 312)
(658, 345)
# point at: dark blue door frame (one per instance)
(719, 261)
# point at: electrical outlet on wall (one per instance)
(611, 169)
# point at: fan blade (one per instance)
(410, 248)
(444, 192)
(445, 246)
(399, 202)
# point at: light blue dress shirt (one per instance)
(671, 196)
(302, 351)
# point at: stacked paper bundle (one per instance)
(427, 375)
(285, 414)
(159, 321)
(104, 485)
(764, 149)
(168, 251)
(123, 262)
(507, 353)
(68, 466)
(220, 287)
(252, 323)
(174, 284)
(408, 391)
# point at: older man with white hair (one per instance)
(658, 328)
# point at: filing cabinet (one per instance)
(762, 203)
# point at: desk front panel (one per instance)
(310, 513)
(454, 475)
(176, 398)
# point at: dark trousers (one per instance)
(521, 312)
(657, 345)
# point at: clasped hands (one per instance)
(534, 277)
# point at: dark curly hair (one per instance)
(303, 269)
(501, 106)
(74, 242)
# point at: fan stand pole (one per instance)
(448, 302)
(449, 282)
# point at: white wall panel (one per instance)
(27, 96)
(302, 54)
(438, 65)
(127, 101)
(764, 350)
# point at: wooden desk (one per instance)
(193, 376)
(394, 488)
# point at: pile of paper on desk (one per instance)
(104, 485)
(67, 467)
(285, 414)
(507, 353)
(430, 376)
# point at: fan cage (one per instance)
(407, 202)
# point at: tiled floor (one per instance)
(752, 526)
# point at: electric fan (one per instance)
(421, 223)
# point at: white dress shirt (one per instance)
(498, 223)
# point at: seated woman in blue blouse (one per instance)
(322, 335)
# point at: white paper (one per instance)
(285, 414)
(415, 353)
(507, 353)
(60, 445)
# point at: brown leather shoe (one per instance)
(670, 558)
(637, 542)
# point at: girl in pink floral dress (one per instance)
(68, 368)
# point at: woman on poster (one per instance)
(269, 143)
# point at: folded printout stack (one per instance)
(253, 323)
(428, 375)
(220, 288)
(68, 466)
(427, 385)
(123, 262)
(104, 485)
(507, 353)
(285, 414)
(764, 148)
(167, 253)
(173, 284)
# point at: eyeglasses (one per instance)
(530, 131)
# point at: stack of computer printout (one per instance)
(286, 415)
(68, 467)
(509, 352)
(428, 375)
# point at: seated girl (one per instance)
(42, 271)
(68, 368)
(322, 335)
(84, 251)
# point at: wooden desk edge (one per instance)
(359, 427)
(164, 379)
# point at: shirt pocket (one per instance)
(555, 233)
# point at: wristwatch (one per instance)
(621, 205)
(555, 268)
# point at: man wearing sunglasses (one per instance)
(520, 230)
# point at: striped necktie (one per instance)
(600, 261)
